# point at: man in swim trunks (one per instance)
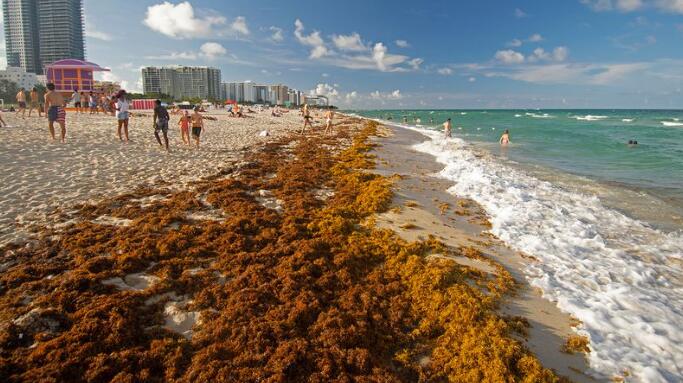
(34, 102)
(21, 100)
(197, 125)
(161, 118)
(54, 108)
(308, 120)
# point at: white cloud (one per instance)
(562, 73)
(212, 50)
(173, 56)
(179, 20)
(672, 6)
(515, 43)
(395, 95)
(520, 13)
(415, 63)
(351, 42)
(92, 32)
(325, 75)
(535, 38)
(351, 97)
(509, 56)
(277, 35)
(560, 53)
(318, 48)
(240, 26)
(472, 79)
(402, 44)
(445, 71)
(327, 90)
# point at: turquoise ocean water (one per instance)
(585, 148)
(602, 219)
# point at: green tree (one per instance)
(8, 91)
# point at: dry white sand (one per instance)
(38, 176)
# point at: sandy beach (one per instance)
(40, 179)
(284, 257)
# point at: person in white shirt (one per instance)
(122, 114)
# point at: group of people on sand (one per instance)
(448, 132)
(161, 119)
(308, 119)
(30, 102)
(94, 102)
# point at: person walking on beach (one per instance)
(197, 125)
(3, 124)
(185, 127)
(161, 118)
(84, 102)
(112, 104)
(92, 102)
(21, 100)
(76, 99)
(54, 109)
(122, 108)
(34, 102)
(328, 120)
(505, 138)
(308, 120)
(448, 128)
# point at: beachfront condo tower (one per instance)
(40, 32)
(182, 82)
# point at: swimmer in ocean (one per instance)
(505, 138)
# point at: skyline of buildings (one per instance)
(181, 82)
(40, 32)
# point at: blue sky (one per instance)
(396, 54)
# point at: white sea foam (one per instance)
(669, 123)
(627, 119)
(590, 118)
(538, 115)
(620, 277)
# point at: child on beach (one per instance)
(447, 128)
(54, 109)
(505, 138)
(197, 125)
(122, 108)
(184, 124)
(161, 118)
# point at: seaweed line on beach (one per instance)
(271, 271)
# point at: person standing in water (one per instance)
(197, 125)
(308, 120)
(122, 114)
(447, 128)
(505, 138)
(21, 100)
(34, 102)
(54, 109)
(185, 127)
(161, 118)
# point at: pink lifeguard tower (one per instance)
(71, 74)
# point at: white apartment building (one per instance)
(19, 76)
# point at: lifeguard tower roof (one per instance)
(72, 74)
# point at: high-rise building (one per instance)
(40, 32)
(182, 82)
